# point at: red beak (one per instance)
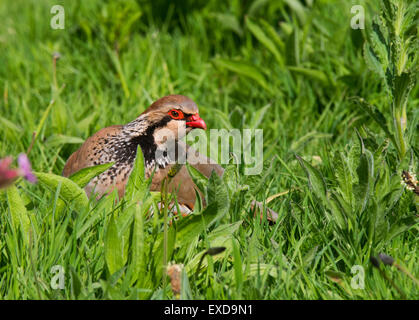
(195, 121)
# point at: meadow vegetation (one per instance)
(339, 112)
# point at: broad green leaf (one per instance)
(231, 178)
(199, 204)
(114, 248)
(185, 291)
(83, 177)
(402, 86)
(217, 192)
(223, 233)
(340, 210)
(237, 265)
(138, 243)
(113, 279)
(18, 212)
(190, 227)
(379, 46)
(344, 177)
(377, 116)
(273, 34)
(219, 237)
(315, 179)
(137, 184)
(198, 178)
(365, 172)
(76, 285)
(70, 191)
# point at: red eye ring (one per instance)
(176, 114)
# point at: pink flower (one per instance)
(25, 167)
(8, 175)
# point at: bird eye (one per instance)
(175, 114)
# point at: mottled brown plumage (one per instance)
(119, 143)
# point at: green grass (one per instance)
(342, 199)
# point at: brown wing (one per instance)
(85, 155)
